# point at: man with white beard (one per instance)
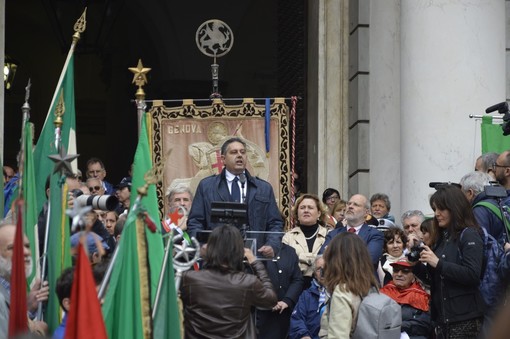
(36, 295)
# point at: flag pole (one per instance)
(79, 27)
(25, 109)
(58, 123)
(162, 275)
(140, 79)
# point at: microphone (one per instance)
(242, 180)
(502, 107)
(245, 227)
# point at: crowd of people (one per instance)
(257, 279)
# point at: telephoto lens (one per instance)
(98, 202)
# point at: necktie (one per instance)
(235, 193)
(351, 229)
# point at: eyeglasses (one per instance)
(333, 197)
(397, 269)
(495, 165)
(95, 188)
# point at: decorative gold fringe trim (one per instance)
(143, 267)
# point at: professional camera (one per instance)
(495, 190)
(98, 202)
(437, 184)
(414, 253)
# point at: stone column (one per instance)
(327, 95)
(383, 101)
(452, 64)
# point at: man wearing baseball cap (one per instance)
(413, 299)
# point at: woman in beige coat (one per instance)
(308, 236)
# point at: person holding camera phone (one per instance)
(454, 266)
(218, 299)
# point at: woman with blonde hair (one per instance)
(308, 236)
(348, 277)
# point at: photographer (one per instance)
(473, 185)
(218, 299)
(454, 266)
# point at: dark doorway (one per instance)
(268, 59)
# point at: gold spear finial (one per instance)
(151, 177)
(80, 26)
(60, 110)
(140, 78)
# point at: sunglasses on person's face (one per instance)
(94, 188)
(404, 270)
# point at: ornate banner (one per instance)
(187, 139)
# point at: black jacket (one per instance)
(454, 283)
(416, 323)
(287, 281)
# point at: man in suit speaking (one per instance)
(235, 183)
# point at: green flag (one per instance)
(166, 320)
(134, 279)
(59, 247)
(46, 142)
(493, 139)
(142, 164)
(30, 208)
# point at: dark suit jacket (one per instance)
(263, 213)
(287, 281)
(371, 236)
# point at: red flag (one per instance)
(18, 320)
(85, 319)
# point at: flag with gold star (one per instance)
(127, 309)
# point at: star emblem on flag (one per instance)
(140, 73)
(63, 161)
(77, 213)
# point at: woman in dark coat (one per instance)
(454, 266)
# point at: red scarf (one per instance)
(414, 295)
